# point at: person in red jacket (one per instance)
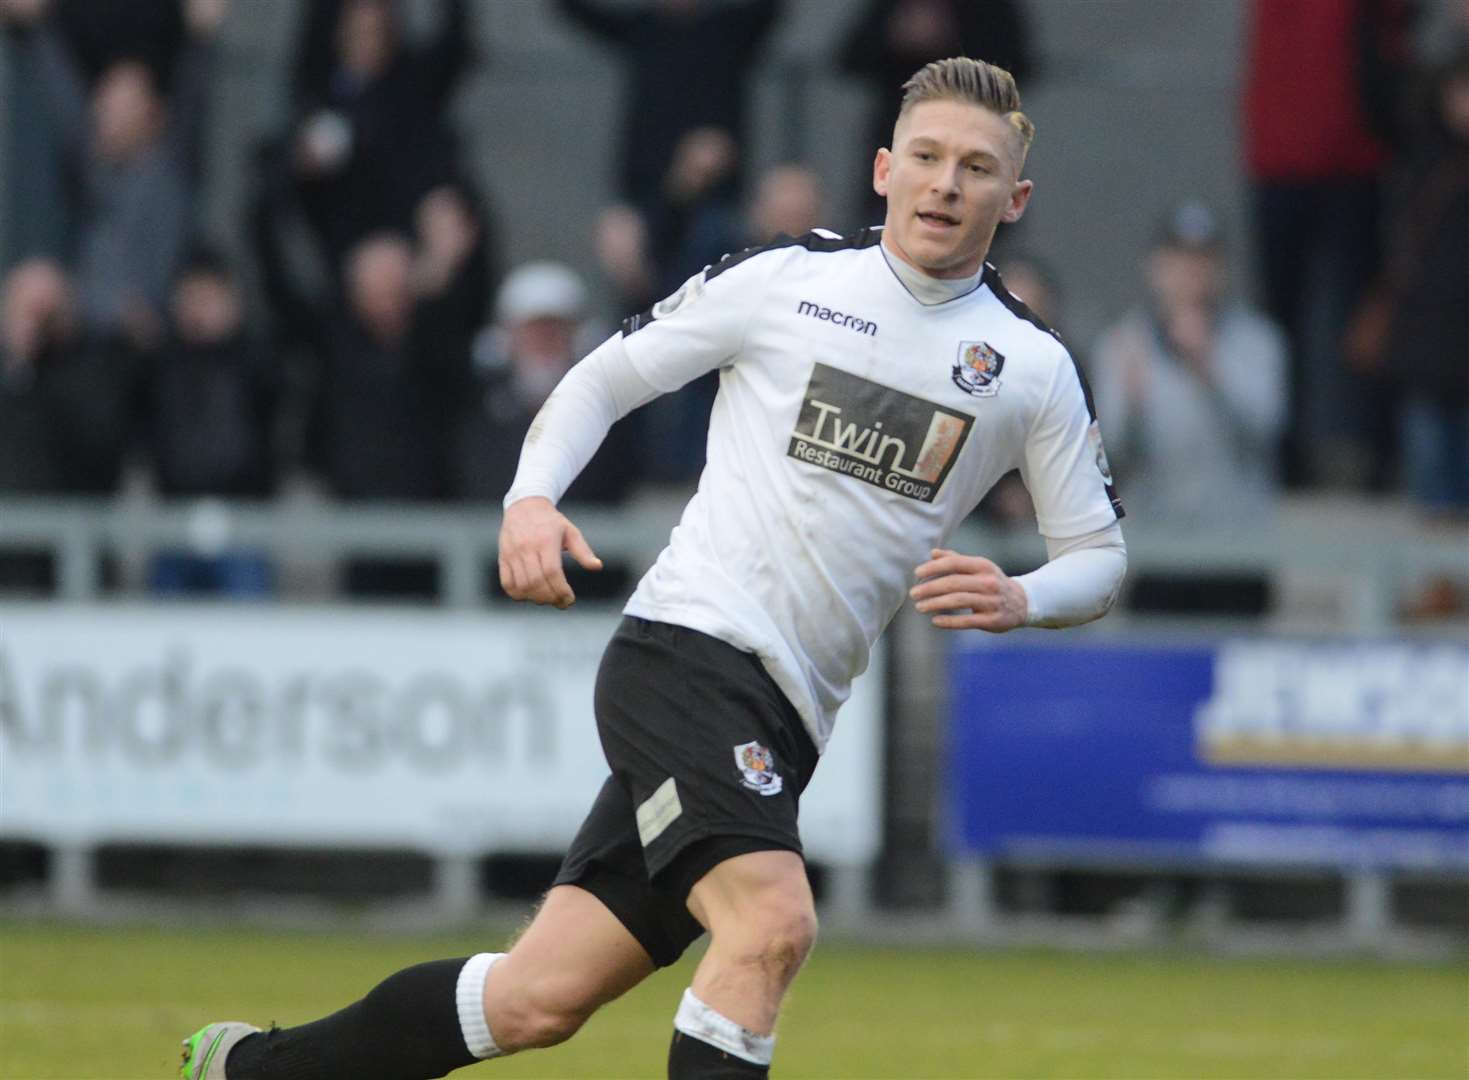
(1322, 93)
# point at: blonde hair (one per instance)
(960, 78)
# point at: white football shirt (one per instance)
(854, 429)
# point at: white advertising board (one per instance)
(451, 733)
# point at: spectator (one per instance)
(698, 224)
(210, 412)
(1417, 328)
(891, 39)
(789, 200)
(385, 385)
(370, 138)
(315, 328)
(540, 330)
(688, 63)
(34, 219)
(1323, 83)
(134, 156)
(1190, 389)
(699, 219)
(645, 264)
(387, 372)
(624, 254)
(64, 407)
(1035, 284)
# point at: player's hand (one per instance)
(533, 535)
(968, 592)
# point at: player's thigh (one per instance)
(575, 956)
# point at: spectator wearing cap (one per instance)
(1191, 388)
(540, 330)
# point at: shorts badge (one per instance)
(757, 768)
(977, 371)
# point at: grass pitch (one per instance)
(111, 1003)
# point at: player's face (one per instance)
(952, 176)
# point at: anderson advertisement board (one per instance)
(443, 732)
(1352, 755)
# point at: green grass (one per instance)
(110, 1003)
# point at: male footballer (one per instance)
(872, 389)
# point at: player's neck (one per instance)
(925, 288)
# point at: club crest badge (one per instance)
(686, 293)
(977, 371)
(757, 768)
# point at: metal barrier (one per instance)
(1353, 558)
(1339, 569)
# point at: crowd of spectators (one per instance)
(365, 335)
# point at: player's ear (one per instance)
(1019, 200)
(880, 166)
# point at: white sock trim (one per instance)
(699, 1021)
(469, 998)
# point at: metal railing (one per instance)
(1359, 560)
(1340, 570)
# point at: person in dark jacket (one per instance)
(688, 66)
(65, 402)
(209, 404)
(211, 392)
(1416, 328)
(370, 136)
(391, 373)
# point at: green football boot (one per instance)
(206, 1049)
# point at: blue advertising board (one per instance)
(1352, 755)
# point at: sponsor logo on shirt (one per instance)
(826, 314)
(876, 434)
(977, 371)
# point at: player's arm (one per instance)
(696, 330)
(1078, 583)
(1069, 480)
(567, 431)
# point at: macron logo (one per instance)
(826, 314)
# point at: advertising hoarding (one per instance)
(1340, 754)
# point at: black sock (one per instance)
(694, 1059)
(406, 1028)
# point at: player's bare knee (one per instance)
(775, 934)
(789, 937)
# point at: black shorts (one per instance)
(708, 758)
